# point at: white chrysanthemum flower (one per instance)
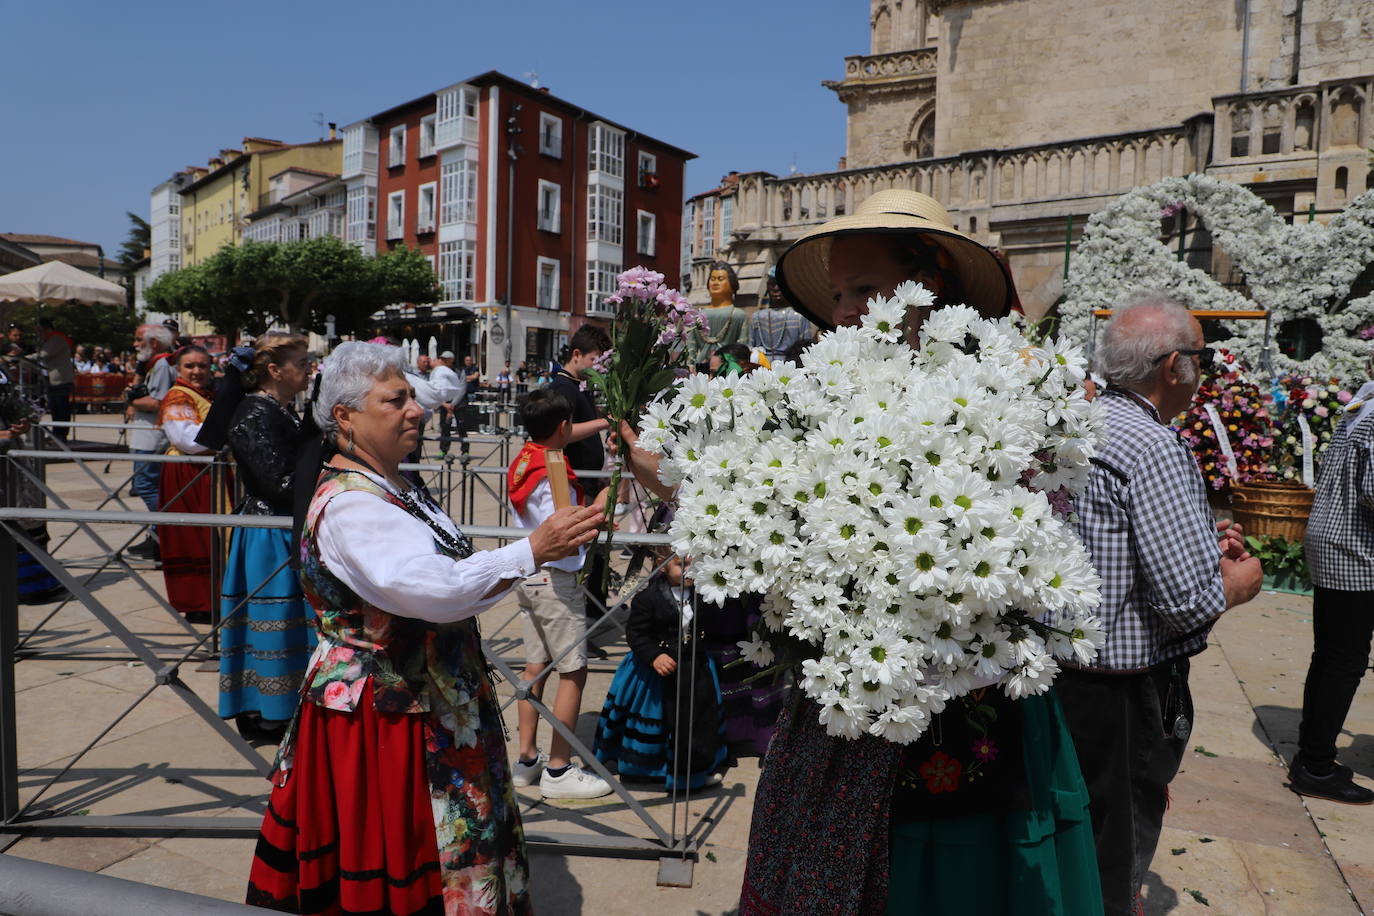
(885, 317)
(842, 717)
(757, 651)
(900, 724)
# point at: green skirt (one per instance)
(1036, 862)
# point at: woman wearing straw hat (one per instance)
(987, 813)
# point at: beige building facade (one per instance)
(1023, 117)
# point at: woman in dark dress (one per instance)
(267, 635)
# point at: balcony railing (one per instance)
(1295, 121)
(1096, 166)
(868, 68)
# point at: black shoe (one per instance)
(197, 616)
(46, 596)
(147, 550)
(1337, 786)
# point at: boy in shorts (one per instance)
(553, 605)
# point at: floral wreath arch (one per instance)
(1302, 270)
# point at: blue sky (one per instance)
(145, 88)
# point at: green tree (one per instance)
(258, 284)
(108, 326)
(138, 243)
(133, 250)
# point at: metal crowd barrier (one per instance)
(29, 888)
(675, 847)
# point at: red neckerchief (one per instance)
(528, 469)
(71, 345)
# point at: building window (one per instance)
(689, 213)
(607, 150)
(600, 284)
(546, 296)
(550, 206)
(551, 135)
(427, 136)
(708, 227)
(395, 214)
(458, 271)
(605, 209)
(647, 234)
(459, 189)
(648, 170)
(456, 111)
(396, 147)
(727, 220)
(362, 214)
(424, 208)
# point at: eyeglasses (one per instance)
(1205, 356)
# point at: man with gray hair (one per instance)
(1166, 578)
(153, 343)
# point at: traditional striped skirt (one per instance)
(268, 631)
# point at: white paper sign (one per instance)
(1309, 445)
(1222, 439)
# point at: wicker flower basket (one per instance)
(1274, 507)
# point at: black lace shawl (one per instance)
(265, 438)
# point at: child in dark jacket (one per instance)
(662, 715)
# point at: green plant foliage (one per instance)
(1281, 558)
(256, 285)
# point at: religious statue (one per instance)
(777, 327)
(728, 324)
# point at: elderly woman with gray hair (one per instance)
(392, 790)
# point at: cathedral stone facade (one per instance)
(1023, 117)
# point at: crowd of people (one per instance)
(353, 641)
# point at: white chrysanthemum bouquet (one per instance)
(903, 511)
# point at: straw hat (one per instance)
(803, 271)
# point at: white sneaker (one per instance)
(525, 774)
(575, 782)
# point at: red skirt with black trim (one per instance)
(352, 830)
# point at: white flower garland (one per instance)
(1302, 270)
(877, 495)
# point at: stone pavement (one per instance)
(1236, 841)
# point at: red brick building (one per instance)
(527, 205)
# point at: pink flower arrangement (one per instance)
(1321, 402)
(648, 345)
(1244, 415)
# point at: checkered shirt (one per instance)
(1145, 520)
(1340, 531)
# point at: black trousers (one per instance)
(60, 406)
(1128, 759)
(445, 429)
(1342, 624)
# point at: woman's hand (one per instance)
(565, 531)
(20, 428)
(665, 664)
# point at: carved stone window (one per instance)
(1304, 126)
(922, 142)
(1272, 129)
(1345, 119)
(1240, 131)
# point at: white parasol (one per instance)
(56, 283)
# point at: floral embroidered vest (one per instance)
(404, 656)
